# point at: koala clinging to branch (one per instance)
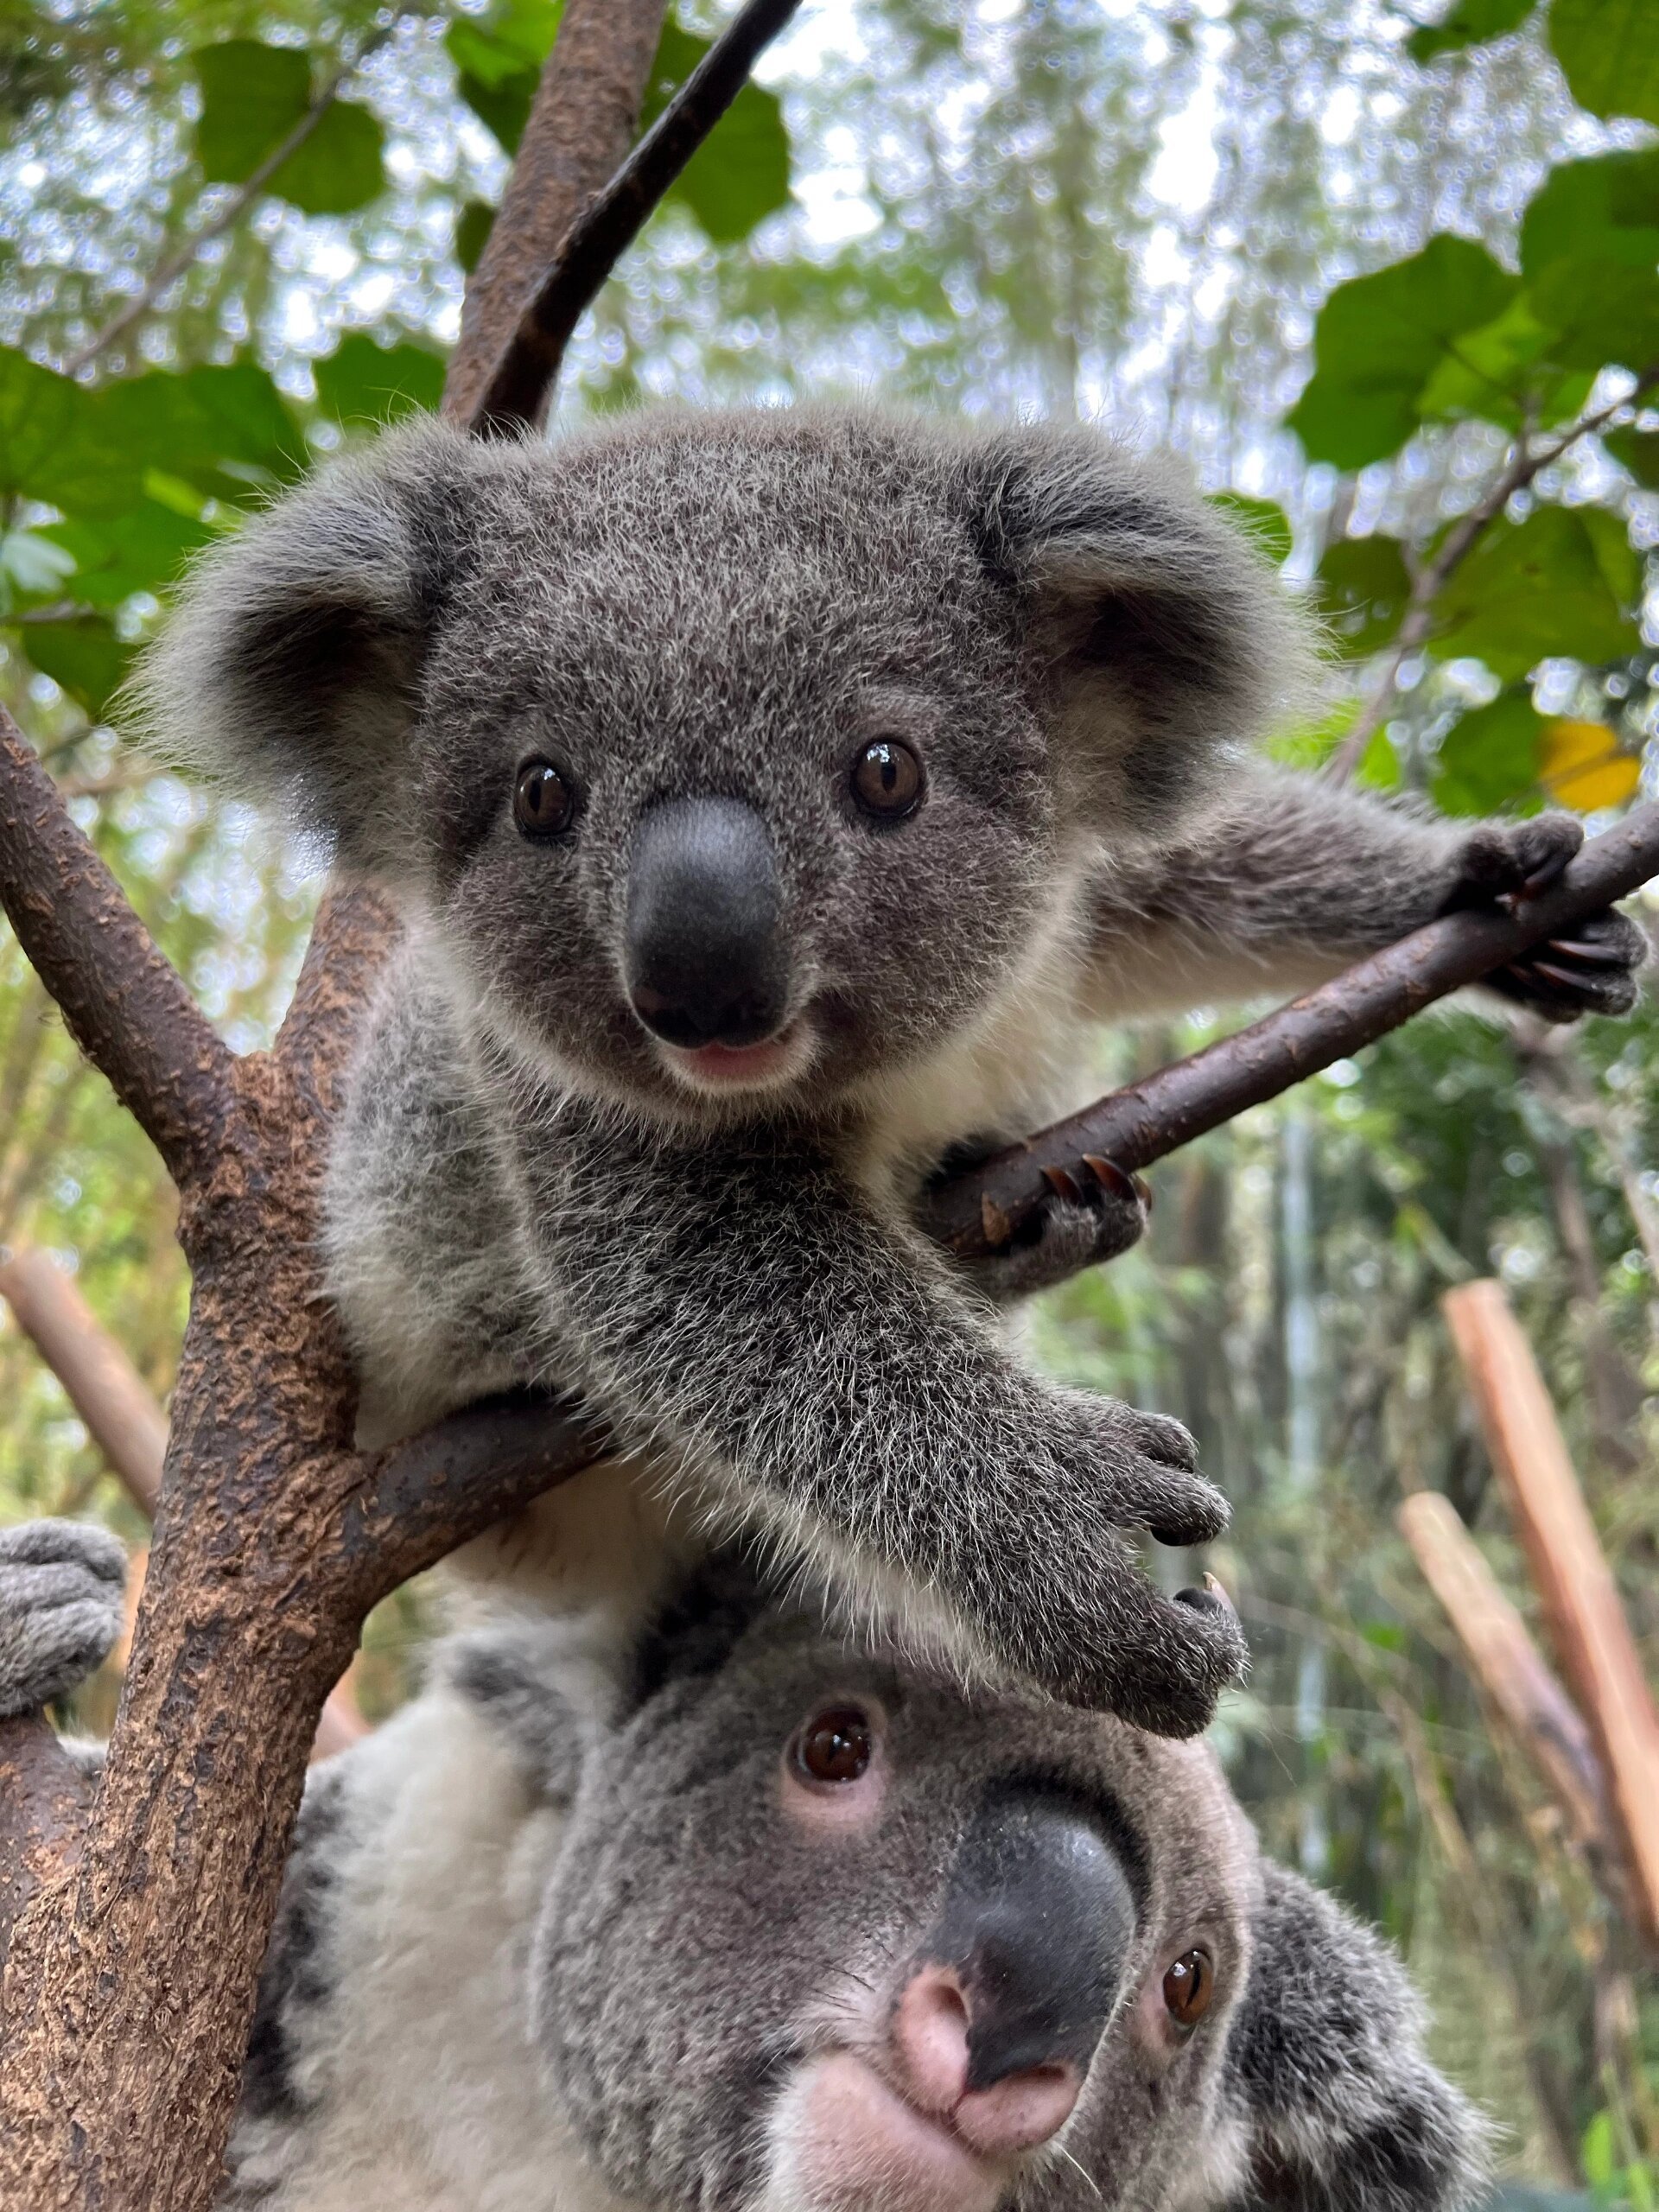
(736, 1917)
(773, 799)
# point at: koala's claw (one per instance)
(1094, 1212)
(1592, 971)
(1169, 1663)
(61, 1609)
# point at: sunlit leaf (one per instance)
(1362, 589)
(361, 382)
(1489, 760)
(1580, 766)
(498, 60)
(1469, 23)
(1565, 581)
(1508, 371)
(1606, 209)
(253, 96)
(85, 656)
(1378, 341)
(1609, 53)
(1264, 520)
(31, 565)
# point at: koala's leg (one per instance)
(61, 1609)
(818, 1373)
(1285, 880)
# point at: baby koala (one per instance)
(738, 1916)
(775, 800)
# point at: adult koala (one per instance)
(773, 800)
(739, 1918)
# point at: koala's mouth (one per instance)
(863, 2147)
(722, 1069)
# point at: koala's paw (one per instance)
(1589, 969)
(1092, 1212)
(1592, 968)
(61, 1608)
(1095, 1632)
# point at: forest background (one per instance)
(1090, 208)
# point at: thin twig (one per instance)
(1433, 578)
(516, 394)
(978, 1211)
(168, 271)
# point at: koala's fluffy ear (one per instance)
(1165, 638)
(289, 670)
(1342, 2111)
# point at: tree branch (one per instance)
(980, 1211)
(522, 375)
(1455, 548)
(126, 1006)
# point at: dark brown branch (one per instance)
(581, 124)
(126, 1006)
(522, 377)
(978, 1211)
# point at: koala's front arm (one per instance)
(814, 1372)
(1285, 880)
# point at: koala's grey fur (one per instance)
(62, 1588)
(551, 1941)
(526, 1188)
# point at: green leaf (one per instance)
(40, 415)
(252, 96)
(1263, 520)
(362, 381)
(340, 168)
(740, 172)
(224, 430)
(85, 657)
(1609, 53)
(1599, 312)
(141, 548)
(1636, 451)
(1469, 23)
(1362, 589)
(1604, 210)
(1490, 758)
(1565, 581)
(1379, 340)
(1505, 372)
(473, 230)
(499, 62)
(31, 566)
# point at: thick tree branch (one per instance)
(1460, 540)
(126, 1008)
(978, 1211)
(522, 375)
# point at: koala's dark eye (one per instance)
(1188, 1987)
(887, 781)
(835, 1745)
(544, 804)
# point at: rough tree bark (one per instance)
(130, 1982)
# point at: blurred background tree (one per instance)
(1367, 269)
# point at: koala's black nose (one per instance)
(703, 944)
(1035, 1935)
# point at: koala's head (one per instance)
(735, 757)
(825, 1936)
